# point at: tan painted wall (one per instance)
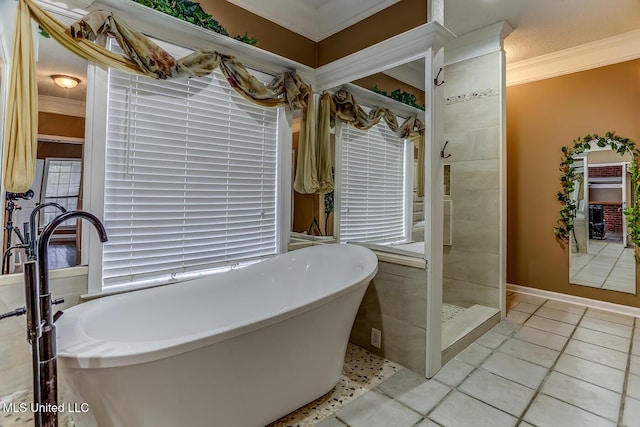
(396, 19)
(59, 124)
(271, 37)
(389, 84)
(541, 118)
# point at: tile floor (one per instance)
(608, 265)
(549, 364)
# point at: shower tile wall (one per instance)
(396, 304)
(473, 102)
(15, 354)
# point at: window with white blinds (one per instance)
(373, 205)
(190, 180)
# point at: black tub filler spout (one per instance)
(47, 394)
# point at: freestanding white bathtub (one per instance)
(237, 349)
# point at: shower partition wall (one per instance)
(474, 265)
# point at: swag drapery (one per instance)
(343, 106)
(145, 58)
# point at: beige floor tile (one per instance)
(602, 339)
(499, 392)
(424, 397)
(373, 409)
(633, 386)
(634, 364)
(514, 369)
(517, 316)
(537, 336)
(525, 307)
(549, 325)
(595, 373)
(607, 327)
(530, 352)
(584, 395)
(453, 373)
(564, 306)
(595, 353)
(549, 412)
(400, 382)
(506, 327)
(459, 410)
(474, 355)
(491, 339)
(529, 299)
(559, 315)
(631, 413)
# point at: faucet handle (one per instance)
(57, 301)
(17, 312)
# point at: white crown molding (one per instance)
(164, 27)
(476, 43)
(59, 139)
(373, 99)
(571, 299)
(411, 73)
(612, 50)
(312, 23)
(67, 107)
(389, 53)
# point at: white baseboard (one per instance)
(571, 299)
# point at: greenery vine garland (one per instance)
(569, 208)
(193, 13)
(401, 96)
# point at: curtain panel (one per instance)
(144, 58)
(343, 106)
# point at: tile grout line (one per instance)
(550, 370)
(477, 368)
(627, 373)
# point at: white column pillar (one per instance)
(433, 209)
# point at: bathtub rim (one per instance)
(131, 353)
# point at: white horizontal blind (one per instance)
(191, 178)
(372, 191)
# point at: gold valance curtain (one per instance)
(343, 106)
(145, 58)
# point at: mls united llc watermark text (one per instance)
(48, 407)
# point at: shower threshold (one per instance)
(464, 327)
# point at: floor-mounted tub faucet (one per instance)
(32, 232)
(47, 366)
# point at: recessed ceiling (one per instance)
(55, 59)
(314, 19)
(540, 26)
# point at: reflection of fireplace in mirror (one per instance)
(605, 203)
(601, 255)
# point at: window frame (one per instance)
(43, 189)
(408, 176)
(94, 174)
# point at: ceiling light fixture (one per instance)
(66, 82)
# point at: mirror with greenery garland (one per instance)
(599, 218)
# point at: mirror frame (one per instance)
(568, 210)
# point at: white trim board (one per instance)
(477, 43)
(167, 28)
(612, 50)
(400, 49)
(572, 299)
(55, 105)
